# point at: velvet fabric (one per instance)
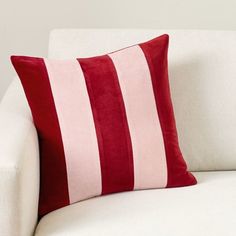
(126, 161)
(156, 55)
(53, 176)
(110, 120)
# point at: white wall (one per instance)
(25, 24)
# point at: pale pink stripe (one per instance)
(150, 170)
(77, 128)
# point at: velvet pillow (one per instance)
(105, 124)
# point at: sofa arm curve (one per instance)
(19, 175)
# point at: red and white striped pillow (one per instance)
(105, 124)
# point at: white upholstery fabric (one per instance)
(203, 83)
(14, 101)
(19, 168)
(206, 209)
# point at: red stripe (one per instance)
(53, 176)
(112, 130)
(156, 55)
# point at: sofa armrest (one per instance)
(19, 175)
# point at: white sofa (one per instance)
(202, 66)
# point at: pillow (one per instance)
(105, 124)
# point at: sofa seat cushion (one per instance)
(208, 208)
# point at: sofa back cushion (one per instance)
(202, 69)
